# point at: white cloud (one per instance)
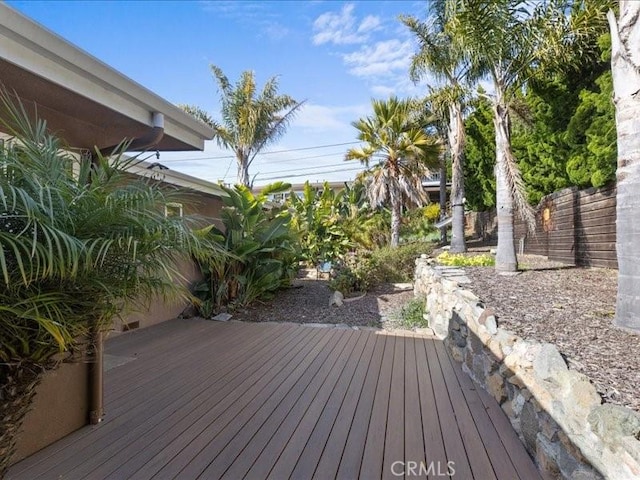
(400, 86)
(255, 14)
(321, 117)
(383, 90)
(369, 24)
(380, 59)
(342, 28)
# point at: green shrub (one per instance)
(346, 281)
(417, 224)
(390, 265)
(412, 315)
(81, 243)
(466, 260)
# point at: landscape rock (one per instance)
(548, 362)
(495, 387)
(337, 299)
(613, 421)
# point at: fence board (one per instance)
(580, 228)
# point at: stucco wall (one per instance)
(157, 310)
(61, 406)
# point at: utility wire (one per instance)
(301, 169)
(305, 168)
(300, 158)
(312, 173)
(262, 153)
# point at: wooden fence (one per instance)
(576, 227)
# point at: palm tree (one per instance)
(509, 40)
(251, 120)
(441, 57)
(396, 139)
(79, 243)
(625, 66)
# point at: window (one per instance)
(173, 210)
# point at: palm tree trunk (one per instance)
(396, 212)
(506, 260)
(443, 197)
(625, 67)
(456, 146)
(17, 389)
(243, 170)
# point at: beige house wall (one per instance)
(61, 406)
(158, 309)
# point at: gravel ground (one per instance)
(570, 307)
(573, 308)
(308, 302)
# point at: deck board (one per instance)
(479, 461)
(137, 447)
(236, 400)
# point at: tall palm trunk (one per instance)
(396, 213)
(18, 384)
(506, 260)
(443, 197)
(243, 170)
(456, 146)
(625, 66)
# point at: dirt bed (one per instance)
(572, 308)
(308, 302)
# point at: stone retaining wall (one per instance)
(556, 411)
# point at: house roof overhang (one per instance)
(173, 177)
(83, 100)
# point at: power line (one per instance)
(305, 168)
(303, 158)
(313, 173)
(226, 173)
(300, 170)
(221, 157)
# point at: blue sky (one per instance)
(335, 55)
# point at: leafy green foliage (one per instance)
(75, 251)
(480, 154)
(331, 223)
(80, 242)
(411, 315)
(564, 134)
(417, 223)
(592, 136)
(571, 139)
(388, 264)
(261, 251)
(317, 219)
(346, 281)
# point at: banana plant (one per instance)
(318, 218)
(261, 250)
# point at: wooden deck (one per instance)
(199, 399)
